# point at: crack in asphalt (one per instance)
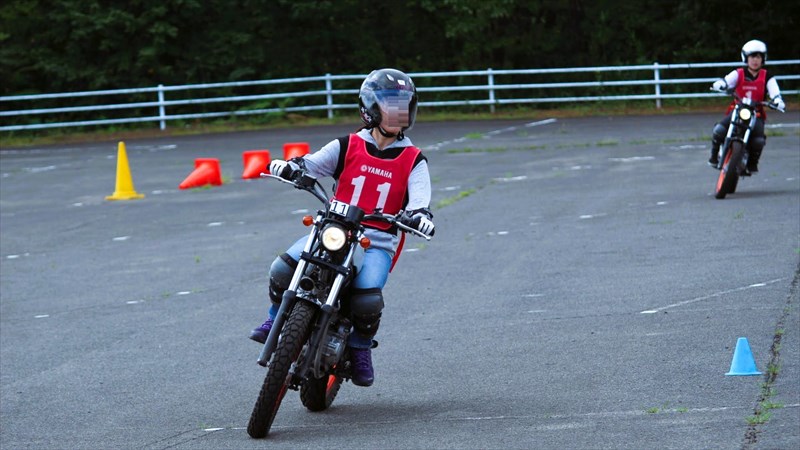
(751, 435)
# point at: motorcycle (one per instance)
(734, 151)
(306, 349)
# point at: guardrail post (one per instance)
(491, 89)
(657, 76)
(161, 112)
(329, 95)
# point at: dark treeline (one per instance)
(75, 45)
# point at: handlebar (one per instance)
(732, 92)
(395, 220)
(310, 184)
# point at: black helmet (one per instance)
(390, 90)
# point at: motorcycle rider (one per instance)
(754, 82)
(377, 167)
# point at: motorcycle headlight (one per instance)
(745, 114)
(333, 238)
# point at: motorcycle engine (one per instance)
(334, 344)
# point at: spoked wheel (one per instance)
(293, 336)
(318, 394)
(729, 175)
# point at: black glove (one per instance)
(420, 220)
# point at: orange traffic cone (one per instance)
(293, 149)
(206, 171)
(124, 189)
(255, 162)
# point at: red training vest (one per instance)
(370, 183)
(756, 90)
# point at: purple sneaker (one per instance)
(260, 334)
(363, 374)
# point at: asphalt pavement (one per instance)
(584, 290)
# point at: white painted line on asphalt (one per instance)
(497, 233)
(215, 224)
(441, 144)
(541, 122)
(633, 159)
(184, 293)
(716, 294)
(41, 316)
(507, 179)
(592, 216)
(300, 211)
(121, 238)
(782, 125)
(40, 169)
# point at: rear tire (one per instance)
(729, 175)
(294, 335)
(318, 394)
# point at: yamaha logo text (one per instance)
(376, 171)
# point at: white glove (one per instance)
(420, 221)
(778, 102)
(276, 166)
(425, 225)
(719, 85)
(284, 169)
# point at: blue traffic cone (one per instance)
(743, 362)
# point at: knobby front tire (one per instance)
(294, 335)
(729, 175)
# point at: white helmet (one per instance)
(754, 46)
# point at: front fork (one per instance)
(287, 303)
(290, 298)
(723, 151)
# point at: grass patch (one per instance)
(450, 200)
(607, 142)
(477, 150)
(759, 418)
(766, 405)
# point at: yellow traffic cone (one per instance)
(125, 189)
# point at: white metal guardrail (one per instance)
(498, 87)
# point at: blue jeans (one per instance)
(373, 274)
(374, 271)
